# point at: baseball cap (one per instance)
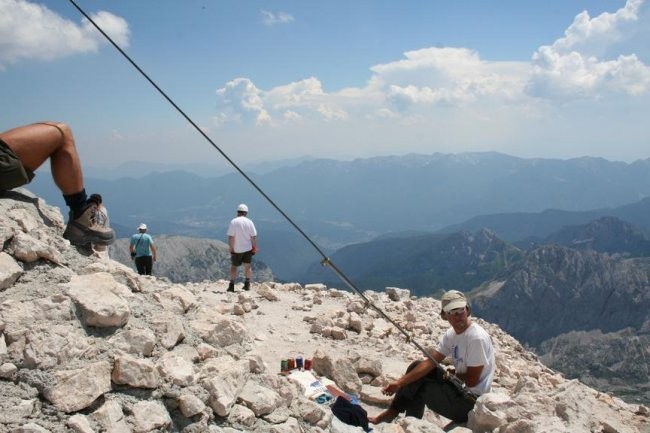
(142, 226)
(242, 208)
(453, 299)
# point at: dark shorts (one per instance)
(236, 259)
(144, 265)
(12, 172)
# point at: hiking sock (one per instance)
(247, 284)
(76, 202)
(231, 286)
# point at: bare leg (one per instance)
(248, 271)
(386, 416)
(233, 272)
(35, 143)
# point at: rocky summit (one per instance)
(87, 345)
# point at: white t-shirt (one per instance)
(472, 348)
(243, 230)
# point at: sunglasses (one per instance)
(456, 311)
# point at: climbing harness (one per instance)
(454, 380)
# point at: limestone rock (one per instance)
(99, 306)
(10, 270)
(150, 416)
(74, 390)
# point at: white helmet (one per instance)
(242, 208)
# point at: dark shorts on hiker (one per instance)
(144, 264)
(236, 259)
(12, 172)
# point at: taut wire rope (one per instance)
(325, 260)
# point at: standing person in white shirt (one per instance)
(242, 239)
(470, 348)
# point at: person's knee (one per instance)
(63, 127)
(65, 131)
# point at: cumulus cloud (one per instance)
(587, 61)
(273, 18)
(298, 94)
(424, 78)
(448, 76)
(240, 100)
(32, 31)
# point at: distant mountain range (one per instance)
(426, 264)
(340, 203)
(527, 227)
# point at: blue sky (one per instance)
(270, 80)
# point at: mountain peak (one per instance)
(87, 344)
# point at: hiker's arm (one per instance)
(231, 243)
(421, 370)
(471, 376)
(153, 251)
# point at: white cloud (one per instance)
(332, 112)
(115, 27)
(592, 36)
(301, 93)
(292, 115)
(426, 77)
(589, 61)
(32, 31)
(273, 18)
(240, 100)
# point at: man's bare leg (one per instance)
(386, 416)
(233, 272)
(233, 275)
(34, 144)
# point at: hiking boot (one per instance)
(84, 229)
(247, 285)
(231, 287)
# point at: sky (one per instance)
(274, 80)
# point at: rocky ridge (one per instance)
(89, 346)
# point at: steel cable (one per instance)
(325, 261)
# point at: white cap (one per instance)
(142, 226)
(453, 299)
(242, 208)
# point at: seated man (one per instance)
(25, 148)
(470, 348)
